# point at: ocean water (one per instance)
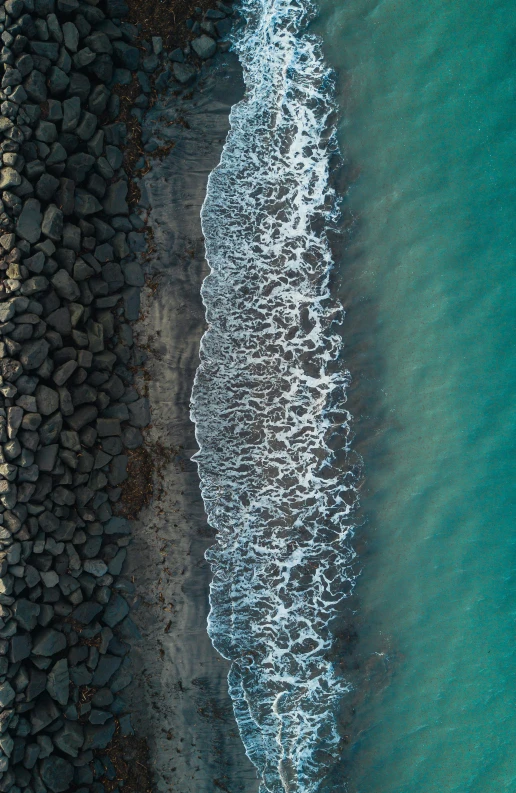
(427, 128)
(424, 101)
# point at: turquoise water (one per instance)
(427, 93)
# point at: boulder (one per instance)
(56, 773)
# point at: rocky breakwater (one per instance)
(69, 288)
(70, 283)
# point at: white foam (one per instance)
(268, 396)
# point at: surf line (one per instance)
(268, 403)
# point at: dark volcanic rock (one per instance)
(48, 642)
(56, 773)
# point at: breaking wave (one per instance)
(269, 405)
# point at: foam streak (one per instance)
(268, 397)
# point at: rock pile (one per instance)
(68, 407)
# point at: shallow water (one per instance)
(427, 119)
(268, 402)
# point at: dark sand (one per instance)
(179, 698)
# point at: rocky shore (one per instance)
(73, 238)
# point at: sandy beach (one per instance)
(179, 697)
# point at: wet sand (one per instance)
(179, 697)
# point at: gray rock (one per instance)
(130, 56)
(86, 204)
(58, 81)
(26, 613)
(47, 400)
(46, 458)
(116, 610)
(106, 668)
(46, 131)
(20, 648)
(117, 525)
(57, 154)
(44, 713)
(28, 225)
(98, 100)
(33, 285)
(49, 431)
(150, 63)
(58, 682)
(176, 55)
(132, 437)
(223, 28)
(45, 188)
(86, 612)
(48, 642)
(35, 87)
(71, 113)
(204, 46)
(84, 415)
(131, 296)
(184, 73)
(9, 177)
(87, 126)
(78, 165)
(133, 274)
(65, 286)
(37, 684)
(35, 263)
(65, 371)
(106, 427)
(60, 320)
(98, 737)
(71, 36)
(52, 224)
(70, 738)
(139, 413)
(102, 698)
(118, 470)
(81, 675)
(115, 201)
(115, 565)
(7, 694)
(96, 567)
(33, 353)
(57, 773)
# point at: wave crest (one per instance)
(268, 401)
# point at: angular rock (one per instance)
(49, 642)
(139, 413)
(26, 613)
(70, 738)
(28, 225)
(52, 224)
(184, 73)
(33, 353)
(115, 201)
(57, 773)
(58, 682)
(65, 286)
(7, 694)
(85, 203)
(86, 612)
(115, 611)
(35, 87)
(98, 737)
(21, 645)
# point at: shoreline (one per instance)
(180, 690)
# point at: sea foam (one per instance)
(269, 403)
